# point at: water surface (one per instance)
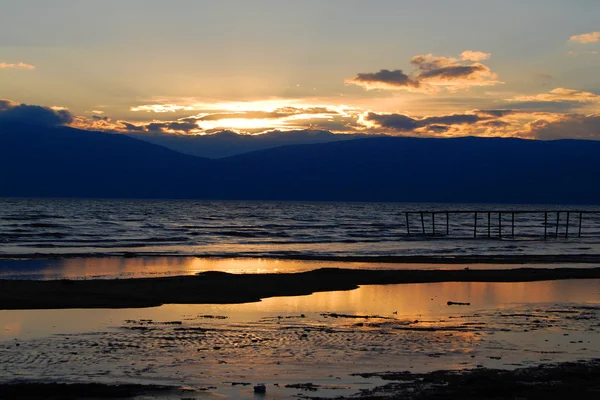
(321, 338)
(274, 229)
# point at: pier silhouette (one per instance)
(500, 224)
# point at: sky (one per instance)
(431, 68)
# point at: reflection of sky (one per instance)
(136, 267)
(419, 301)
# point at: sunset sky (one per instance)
(526, 68)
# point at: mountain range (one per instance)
(59, 161)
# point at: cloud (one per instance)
(560, 95)
(19, 65)
(384, 79)
(37, 115)
(495, 112)
(161, 108)
(579, 53)
(585, 38)
(469, 55)
(449, 72)
(282, 112)
(430, 73)
(571, 126)
(404, 123)
(171, 126)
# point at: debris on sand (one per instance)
(457, 303)
(309, 387)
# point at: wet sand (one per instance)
(324, 345)
(222, 288)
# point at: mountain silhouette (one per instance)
(228, 143)
(40, 161)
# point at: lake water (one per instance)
(322, 338)
(274, 229)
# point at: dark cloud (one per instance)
(403, 123)
(397, 122)
(572, 126)
(175, 126)
(454, 119)
(453, 72)
(495, 112)
(495, 124)
(430, 72)
(131, 127)
(386, 77)
(438, 128)
(37, 115)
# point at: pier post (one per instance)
(580, 223)
(475, 226)
(407, 224)
(545, 225)
(567, 226)
(557, 221)
(489, 224)
(500, 225)
(447, 223)
(422, 223)
(513, 225)
(433, 223)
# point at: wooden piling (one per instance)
(407, 225)
(513, 225)
(500, 225)
(557, 222)
(567, 226)
(422, 222)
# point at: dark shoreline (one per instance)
(225, 288)
(410, 259)
(578, 380)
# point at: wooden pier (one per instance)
(499, 224)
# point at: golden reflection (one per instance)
(410, 301)
(119, 267)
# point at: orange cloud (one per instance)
(161, 108)
(19, 65)
(432, 72)
(469, 55)
(586, 38)
(561, 95)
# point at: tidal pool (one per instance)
(321, 338)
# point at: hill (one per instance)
(65, 162)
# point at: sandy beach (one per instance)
(219, 287)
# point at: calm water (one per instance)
(270, 229)
(290, 340)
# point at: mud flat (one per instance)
(579, 380)
(225, 288)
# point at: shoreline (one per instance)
(577, 379)
(405, 259)
(225, 288)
